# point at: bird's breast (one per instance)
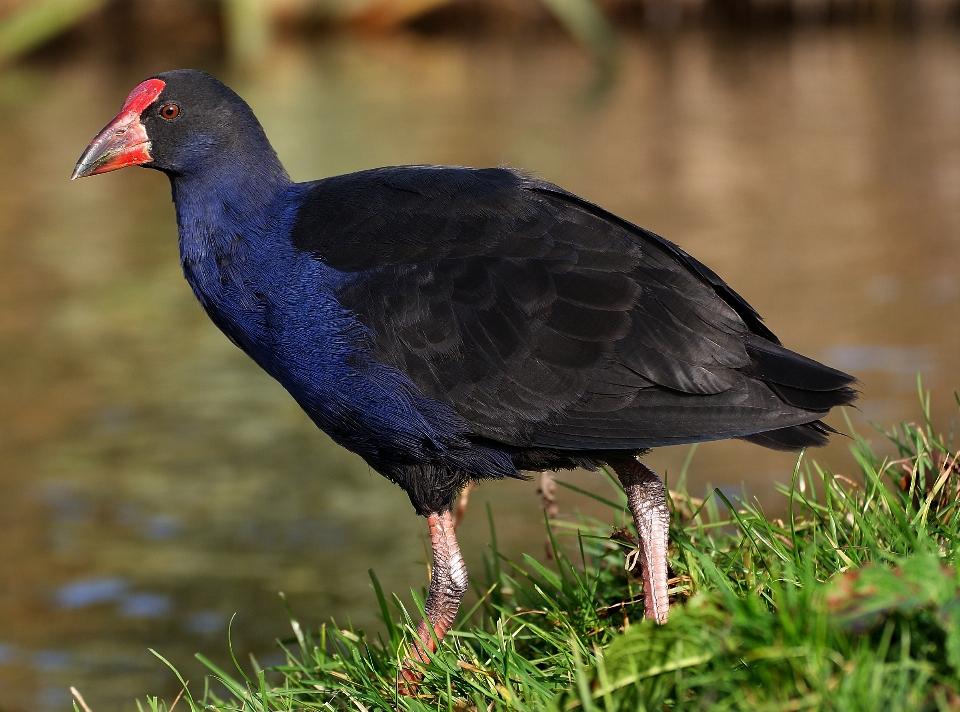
(279, 305)
(228, 290)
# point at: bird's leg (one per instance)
(647, 500)
(461, 511)
(548, 503)
(448, 584)
(548, 495)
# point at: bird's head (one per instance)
(177, 122)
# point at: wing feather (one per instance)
(545, 321)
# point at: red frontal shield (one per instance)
(123, 142)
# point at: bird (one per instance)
(452, 325)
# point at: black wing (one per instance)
(546, 321)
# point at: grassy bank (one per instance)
(852, 602)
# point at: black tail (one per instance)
(813, 434)
(803, 383)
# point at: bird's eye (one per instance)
(170, 112)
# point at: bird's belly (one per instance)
(371, 414)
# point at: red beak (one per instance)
(123, 142)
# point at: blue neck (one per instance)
(225, 214)
(223, 202)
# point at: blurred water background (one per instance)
(153, 482)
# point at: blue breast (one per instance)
(278, 305)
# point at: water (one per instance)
(153, 482)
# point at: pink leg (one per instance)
(461, 510)
(448, 584)
(647, 500)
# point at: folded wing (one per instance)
(547, 322)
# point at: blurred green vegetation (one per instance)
(850, 602)
(248, 25)
(31, 24)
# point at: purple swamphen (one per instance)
(452, 325)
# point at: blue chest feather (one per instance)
(277, 304)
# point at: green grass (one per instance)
(850, 603)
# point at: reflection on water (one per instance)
(154, 482)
